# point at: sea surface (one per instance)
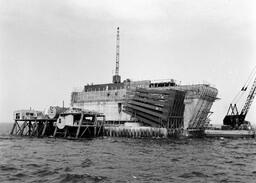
(125, 160)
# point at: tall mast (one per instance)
(117, 51)
(117, 77)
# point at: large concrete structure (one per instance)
(106, 98)
(110, 98)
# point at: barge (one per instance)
(234, 123)
(230, 133)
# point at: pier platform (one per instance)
(33, 127)
(72, 124)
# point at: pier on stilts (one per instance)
(33, 127)
(76, 123)
(73, 124)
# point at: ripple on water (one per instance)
(72, 177)
(45, 172)
(67, 169)
(86, 163)
(33, 165)
(126, 160)
(193, 174)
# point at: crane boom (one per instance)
(249, 99)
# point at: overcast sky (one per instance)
(49, 47)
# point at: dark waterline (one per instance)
(126, 160)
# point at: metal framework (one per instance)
(48, 127)
(84, 128)
(117, 51)
(33, 127)
(249, 99)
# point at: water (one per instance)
(126, 160)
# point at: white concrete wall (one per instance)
(109, 108)
(189, 111)
(198, 102)
(106, 95)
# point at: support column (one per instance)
(23, 127)
(29, 128)
(95, 125)
(79, 125)
(45, 126)
(13, 128)
(65, 132)
(55, 131)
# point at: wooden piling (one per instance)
(135, 132)
(44, 129)
(79, 125)
(30, 127)
(13, 127)
(89, 124)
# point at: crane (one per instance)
(233, 117)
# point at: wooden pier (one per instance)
(84, 124)
(73, 123)
(33, 127)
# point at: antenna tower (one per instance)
(117, 77)
(117, 51)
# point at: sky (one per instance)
(48, 48)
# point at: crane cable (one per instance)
(250, 78)
(245, 86)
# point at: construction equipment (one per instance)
(234, 119)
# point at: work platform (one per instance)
(33, 127)
(73, 123)
(77, 123)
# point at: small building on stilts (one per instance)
(72, 123)
(76, 123)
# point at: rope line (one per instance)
(241, 93)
